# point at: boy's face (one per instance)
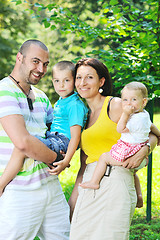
(134, 99)
(63, 82)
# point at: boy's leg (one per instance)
(51, 143)
(138, 191)
(57, 142)
(54, 143)
(63, 142)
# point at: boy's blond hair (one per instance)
(137, 86)
(63, 65)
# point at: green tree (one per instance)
(123, 34)
(13, 26)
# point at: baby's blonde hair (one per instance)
(137, 86)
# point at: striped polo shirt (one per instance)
(14, 101)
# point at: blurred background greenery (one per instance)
(124, 34)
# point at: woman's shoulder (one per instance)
(115, 110)
(116, 103)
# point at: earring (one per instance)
(100, 90)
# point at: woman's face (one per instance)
(87, 82)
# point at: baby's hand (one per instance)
(127, 109)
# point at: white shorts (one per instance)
(42, 212)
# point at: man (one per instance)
(33, 202)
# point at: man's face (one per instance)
(34, 64)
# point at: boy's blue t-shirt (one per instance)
(68, 112)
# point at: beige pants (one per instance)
(106, 213)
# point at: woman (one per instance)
(105, 213)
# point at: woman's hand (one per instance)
(135, 160)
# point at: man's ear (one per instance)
(102, 81)
(19, 57)
(145, 100)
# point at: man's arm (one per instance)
(29, 145)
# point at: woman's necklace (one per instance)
(29, 100)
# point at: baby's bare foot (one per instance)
(89, 185)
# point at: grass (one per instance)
(140, 228)
(68, 177)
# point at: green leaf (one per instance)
(113, 2)
(46, 24)
(51, 6)
(17, 2)
(157, 92)
(116, 9)
(53, 27)
(38, 5)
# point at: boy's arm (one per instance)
(13, 167)
(72, 147)
(156, 131)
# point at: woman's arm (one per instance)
(74, 195)
(156, 131)
(135, 160)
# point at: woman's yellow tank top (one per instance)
(100, 137)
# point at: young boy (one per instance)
(134, 126)
(70, 115)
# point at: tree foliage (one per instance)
(13, 26)
(124, 34)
